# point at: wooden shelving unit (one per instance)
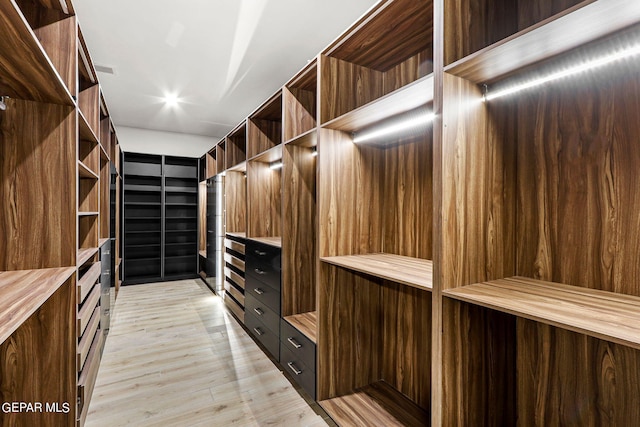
(264, 127)
(53, 166)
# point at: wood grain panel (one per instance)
(89, 104)
(236, 150)
(89, 154)
(235, 184)
(611, 316)
(299, 244)
(299, 112)
(236, 309)
(565, 378)
(57, 34)
(409, 71)
(38, 167)
(391, 33)
(88, 195)
(105, 136)
(577, 181)
(237, 295)
(264, 200)
(262, 135)
(87, 338)
(479, 361)
(104, 202)
(349, 338)
(307, 323)
(406, 357)
(211, 164)
(86, 282)
(235, 277)
(87, 309)
(349, 199)
(478, 188)
(27, 72)
(408, 198)
(345, 86)
(220, 156)
(51, 376)
(88, 228)
(473, 25)
(375, 405)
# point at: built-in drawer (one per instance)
(261, 311)
(235, 261)
(301, 373)
(235, 277)
(234, 246)
(263, 293)
(269, 339)
(263, 262)
(235, 292)
(300, 346)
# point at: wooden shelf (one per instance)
(407, 98)
(605, 315)
(307, 323)
(28, 72)
(85, 172)
(307, 139)
(414, 272)
(101, 242)
(86, 133)
(23, 292)
(572, 28)
(203, 253)
(88, 213)
(272, 241)
(238, 235)
(377, 404)
(85, 255)
(271, 155)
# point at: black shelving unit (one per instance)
(160, 218)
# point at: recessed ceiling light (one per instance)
(171, 99)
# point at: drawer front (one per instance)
(264, 263)
(263, 293)
(305, 377)
(235, 246)
(232, 260)
(298, 344)
(268, 338)
(262, 312)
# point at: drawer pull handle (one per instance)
(260, 253)
(258, 331)
(293, 368)
(258, 311)
(260, 272)
(258, 291)
(294, 342)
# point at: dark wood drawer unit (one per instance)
(300, 346)
(262, 312)
(263, 263)
(269, 339)
(302, 374)
(263, 293)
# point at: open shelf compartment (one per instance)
(264, 127)
(299, 99)
(236, 149)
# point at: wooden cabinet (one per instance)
(55, 137)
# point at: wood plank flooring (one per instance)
(176, 357)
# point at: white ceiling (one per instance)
(222, 58)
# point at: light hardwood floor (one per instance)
(175, 357)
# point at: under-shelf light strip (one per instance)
(412, 122)
(275, 165)
(576, 69)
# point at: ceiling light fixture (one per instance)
(275, 165)
(171, 99)
(413, 121)
(576, 69)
